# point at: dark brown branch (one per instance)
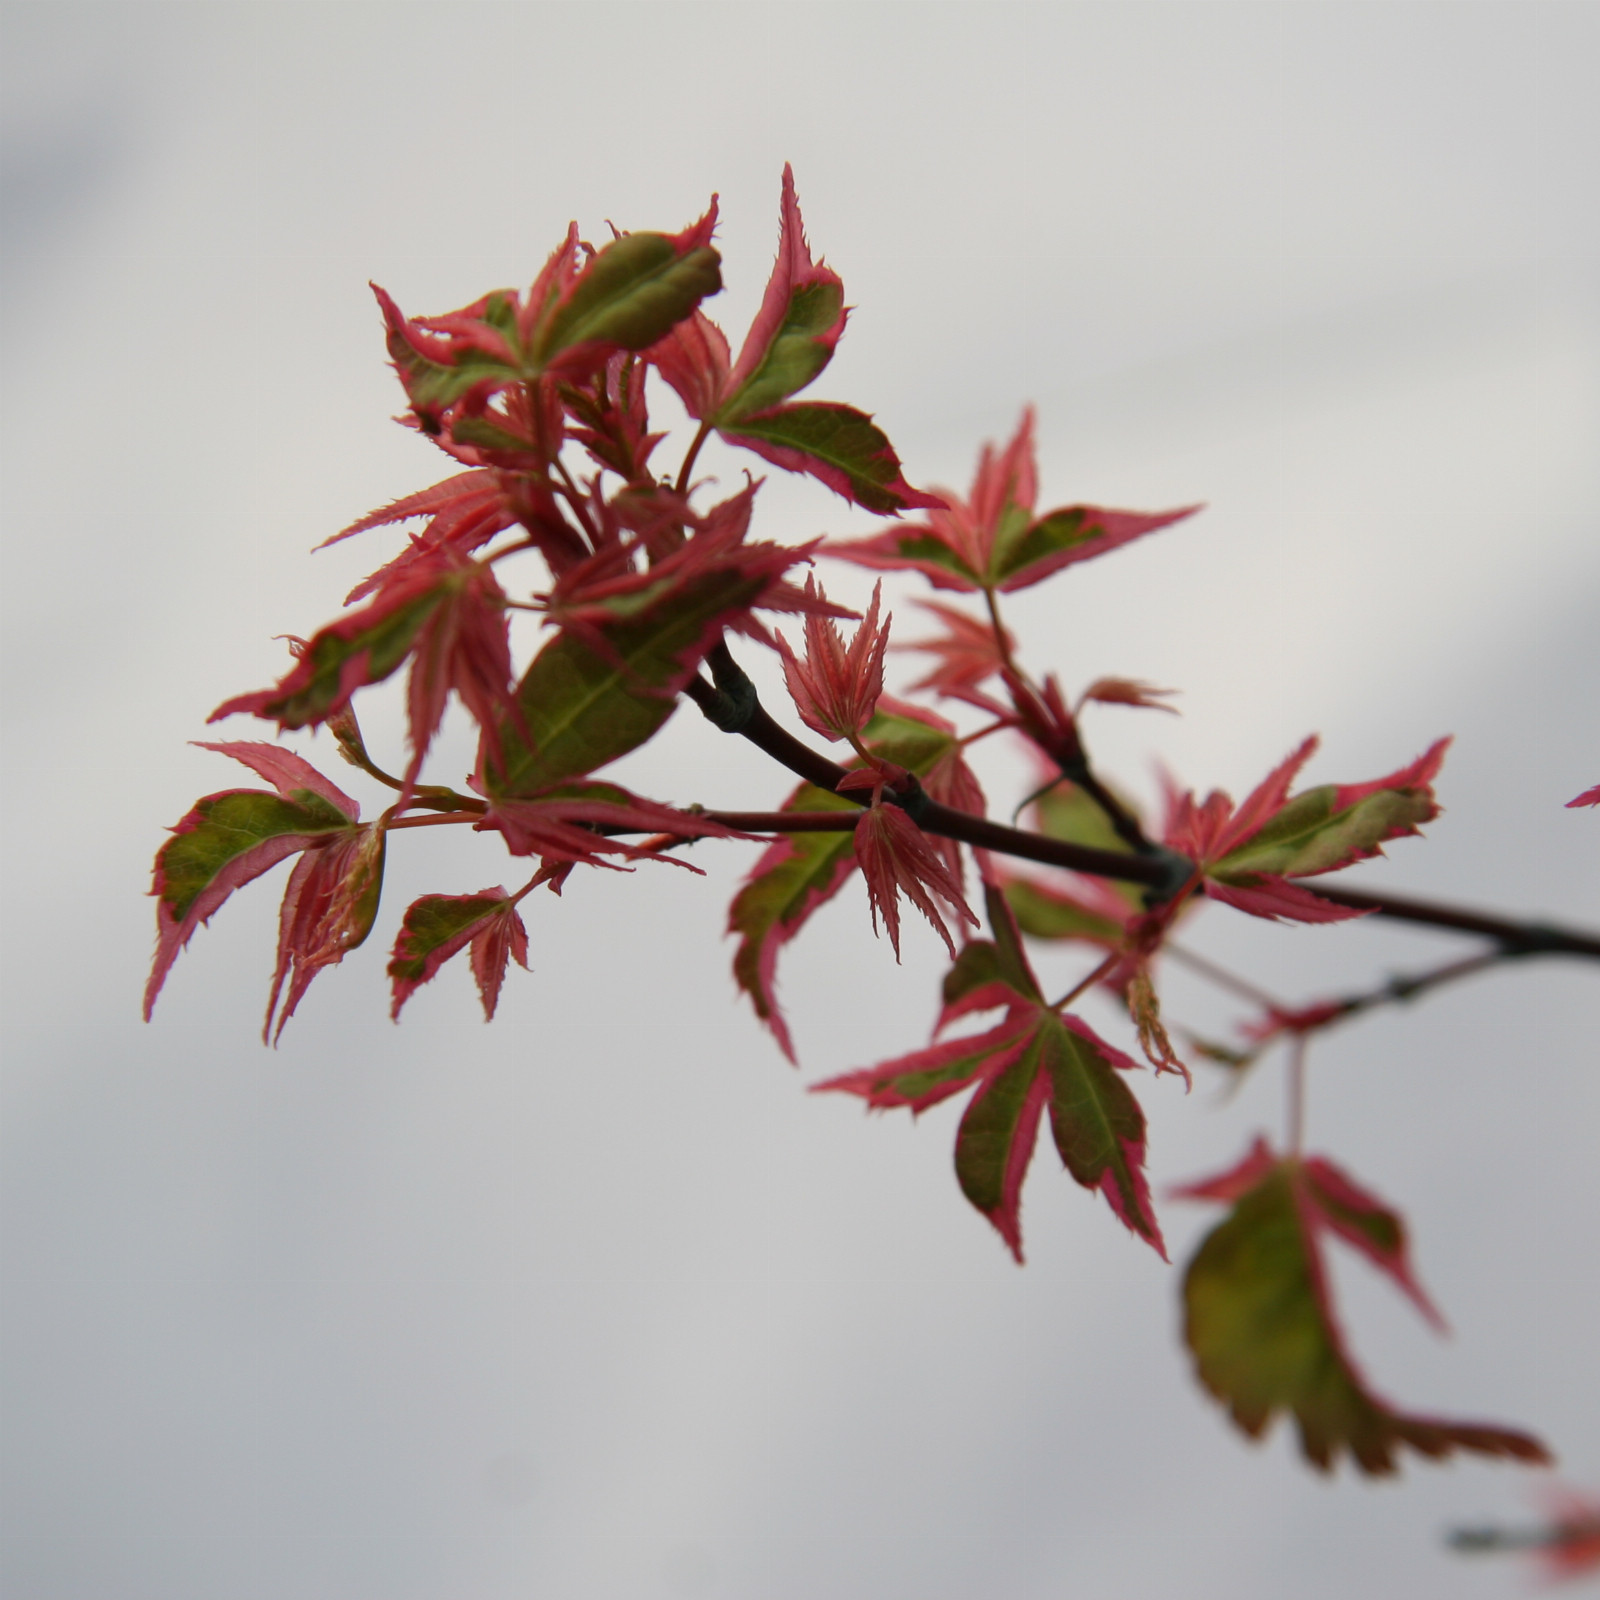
(730, 700)
(1514, 938)
(733, 705)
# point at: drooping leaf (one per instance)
(896, 858)
(1035, 1060)
(797, 874)
(230, 838)
(329, 907)
(1259, 1318)
(801, 872)
(439, 925)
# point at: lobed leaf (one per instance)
(329, 907)
(437, 926)
(229, 839)
(996, 1138)
(801, 872)
(1311, 834)
(1260, 1324)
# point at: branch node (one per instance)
(735, 702)
(1178, 870)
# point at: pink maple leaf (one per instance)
(1035, 1060)
(836, 688)
(1248, 853)
(230, 838)
(897, 856)
(994, 539)
(437, 926)
(329, 906)
(445, 613)
(1589, 797)
(967, 654)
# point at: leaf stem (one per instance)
(436, 820)
(1089, 982)
(1295, 1095)
(574, 498)
(1514, 938)
(1222, 977)
(682, 485)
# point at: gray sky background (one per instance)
(596, 1302)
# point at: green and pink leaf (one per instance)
(438, 926)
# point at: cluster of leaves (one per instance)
(541, 400)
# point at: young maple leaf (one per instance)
(439, 925)
(566, 821)
(993, 539)
(446, 614)
(897, 856)
(613, 421)
(584, 306)
(1035, 1060)
(1127, 692)
(1260, 1321)
(1248, 853)
(329, 906)
(967, 655)
(801, 872)
(794, 877)
(232, 837)
(836, 688)
(792, 339)
(1589, 797)
(467, 511)
(607, 595)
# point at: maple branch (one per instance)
(733, 705)
(1475, 1541)
(1514, 938)
(1074, 765)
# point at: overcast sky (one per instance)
(597, 1302)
